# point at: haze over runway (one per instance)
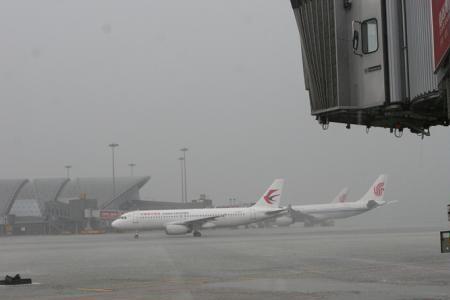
(320, 263)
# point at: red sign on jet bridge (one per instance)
(441, 30)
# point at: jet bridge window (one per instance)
(369, 32)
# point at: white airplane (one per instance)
(325, 214)
(287, 219)
(183, 221)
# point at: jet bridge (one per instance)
(374, 62)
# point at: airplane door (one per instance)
(368, 66)
(135, 218)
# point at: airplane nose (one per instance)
(115, 223)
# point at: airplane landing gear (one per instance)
(197, 233)
(136, 235)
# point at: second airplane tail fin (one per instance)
(374, 196)
(342, 196)
(272, 197)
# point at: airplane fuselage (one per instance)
(159, 219)
(333, 211)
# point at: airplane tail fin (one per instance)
(342, 196)
(272, 197)
(374, 196)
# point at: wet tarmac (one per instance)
(290, 263)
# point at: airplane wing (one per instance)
(276, 212)
(197, 222)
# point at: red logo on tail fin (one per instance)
(379, 189)
(269, 197)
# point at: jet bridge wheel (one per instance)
(197, 233)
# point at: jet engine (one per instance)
(209, 225)
(284, 221)
(372, 204)
(174, 229)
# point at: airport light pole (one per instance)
(184, 150)
(113, 146)
(132, 165)
(68, 170)
(181, 159)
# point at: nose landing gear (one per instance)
(136, 235)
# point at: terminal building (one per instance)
(62, 205)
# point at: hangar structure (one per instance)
(9, 191)
(53, 203)
(127, 189)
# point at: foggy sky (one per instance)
(223, 78)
